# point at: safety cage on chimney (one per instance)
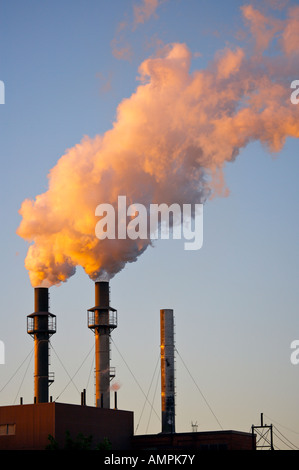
(39, 322)
(104, 320)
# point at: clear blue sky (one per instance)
(235, 301)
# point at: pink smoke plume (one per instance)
(142, 12)
(145, 10)
(169, 144)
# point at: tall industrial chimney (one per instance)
(167, 371)
(41, 325)
(102, 319)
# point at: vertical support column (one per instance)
(102, 367)
(102, 319)
(39, 328)
(41, 367)
(41, 346)
(102, 344)
(167, 371)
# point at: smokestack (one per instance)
(102, 319)
(167, 371)
(41, 325)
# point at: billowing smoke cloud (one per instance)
(142, 12)
(169, 144)
(145, 10)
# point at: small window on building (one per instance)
(7, 429)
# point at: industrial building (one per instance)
(28, 426)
